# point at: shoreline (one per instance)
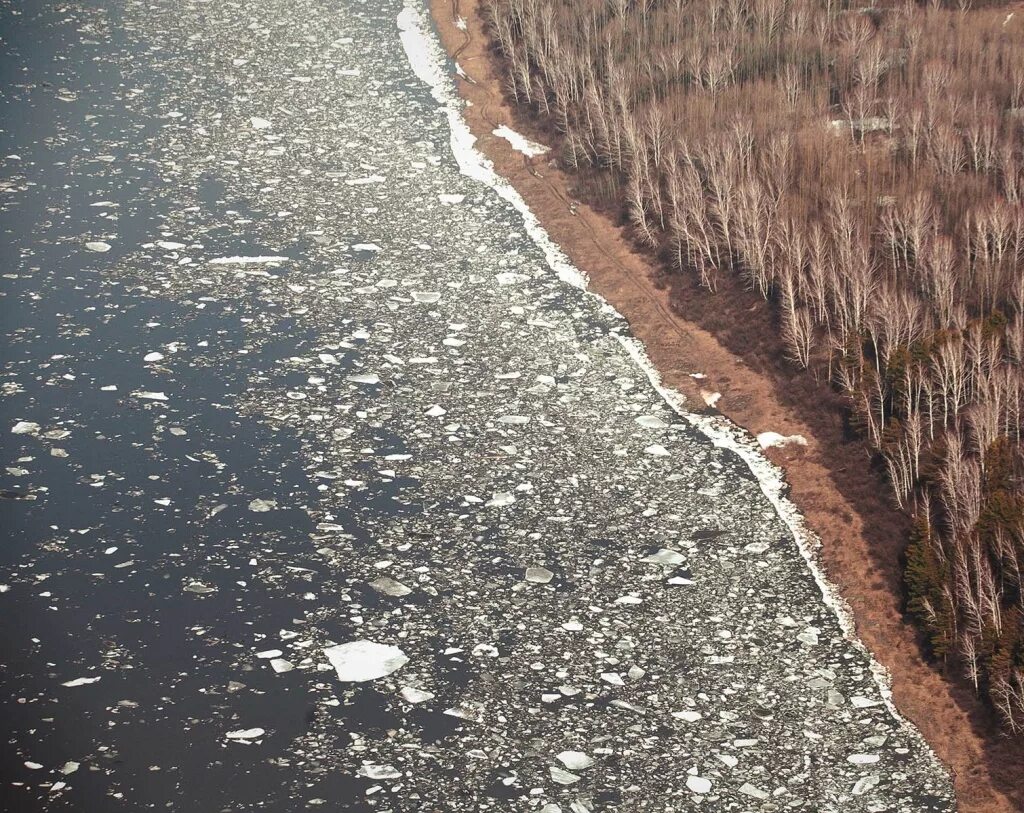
(861, 534)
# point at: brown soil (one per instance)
(731, 337)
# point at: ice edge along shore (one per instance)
(428, 60)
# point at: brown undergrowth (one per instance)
(733, 339)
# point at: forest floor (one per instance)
(731, 338)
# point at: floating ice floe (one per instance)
(25, 428)
(451, 200)
(698, 784)
(575, 760)
(563, 777)
(150, 396)
(260, 506)
(411, 695)
(153, 357)
(372, 771)
(365, 181)
(170, 245)
(769, 439)
(98, 246)
(252, 260)
(539, 575)
(520, 143)
(82, 681)
(245, 734)
(657, 450)
(366, 247)
(360, 661)
(426, 297)
(652, 422)
(665, 557)
(260, 124)
(499, 499)
(390, 587)
(364, 378)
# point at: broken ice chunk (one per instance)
(359, 661)
(98, 246)
(259, 124)
(500, 499)
(364, 378)
(698, 784)
(426, 297)
(652, 422)
(261, 506)
(25, 428)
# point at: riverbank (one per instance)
(730, 340)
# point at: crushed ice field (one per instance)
(327, 486)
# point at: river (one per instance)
(327, 485)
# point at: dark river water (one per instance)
(325, 487)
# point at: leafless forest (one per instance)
(862, 170)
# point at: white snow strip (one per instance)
(520, 143)
(768, 439)
(427, 60)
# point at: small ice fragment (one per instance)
(80, 682)
(657, 450)
(154, 356)
(426, 297)
(25, 428)
(280, 665)
(169, 245)
(698, 784)
(328, 358)
(539, 575)
(260, 506)
(652, 422)
(411, 695)
(69, 768)
(259, 124)
(33, 766)
(575, 760)
(364, 378)
(436, 411)
(863, 759)
(98, 246)
(451, 200)
(365, 181)
(270, 653)
(359, 661)
(150, 396)
(366, 247)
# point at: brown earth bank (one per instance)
(731, 338)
